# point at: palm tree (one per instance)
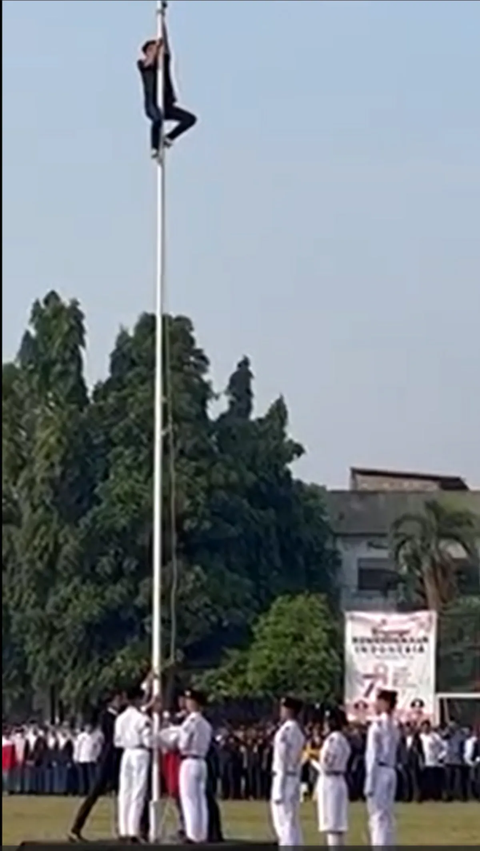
(428, 548)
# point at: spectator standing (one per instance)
(21, 746)
(108, 764)
(471, 757)
(8, 761)
(431, 772)
(84, 755)
(456, 772)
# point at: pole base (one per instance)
(156, 823)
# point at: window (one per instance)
(468, 577)
(376, 574)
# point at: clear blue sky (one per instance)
(324, 215)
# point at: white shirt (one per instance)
(168, 737)
(133, 730)
(334, 754)
(194, 736)
(20, 746)
(433, 748)
(32, 737)
(469, 751)
(288, 746)
(51, 740)
(454, 748)
(381, 752)
(84, 748)
(63, 738)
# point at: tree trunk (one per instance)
(432, 592)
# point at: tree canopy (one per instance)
(429, 549)
(239, 531)
(296, 648)
(459, 646)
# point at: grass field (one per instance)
(418, 824)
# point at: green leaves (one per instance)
(238, 530)
(295, 649)
(459, 646)
(240, 392)
(428, 549)
(51, 353)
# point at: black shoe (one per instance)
(76, 836)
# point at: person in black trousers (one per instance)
(152, 52)
(215, 832)
(108, 767)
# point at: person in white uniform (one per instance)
(380, 766)
(288, 746)
(332, 790)
(133, 734)
(193, 742)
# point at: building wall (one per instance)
(361, 522)
(364, 556)
(385, 483)
(358, 552)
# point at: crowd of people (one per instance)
(432, 764)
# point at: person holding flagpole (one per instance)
(153, 52)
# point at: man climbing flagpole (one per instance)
(159, 94)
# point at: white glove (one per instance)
(277, 790)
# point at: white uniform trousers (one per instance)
(193, 798)
(286, 814)
(380, 806)
(132, 789)
(332, 803)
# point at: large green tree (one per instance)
(238, 529)
(48, 481)
(458, 655)
(295, 648)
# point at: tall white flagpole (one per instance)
(155, 806)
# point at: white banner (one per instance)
(393, 651)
